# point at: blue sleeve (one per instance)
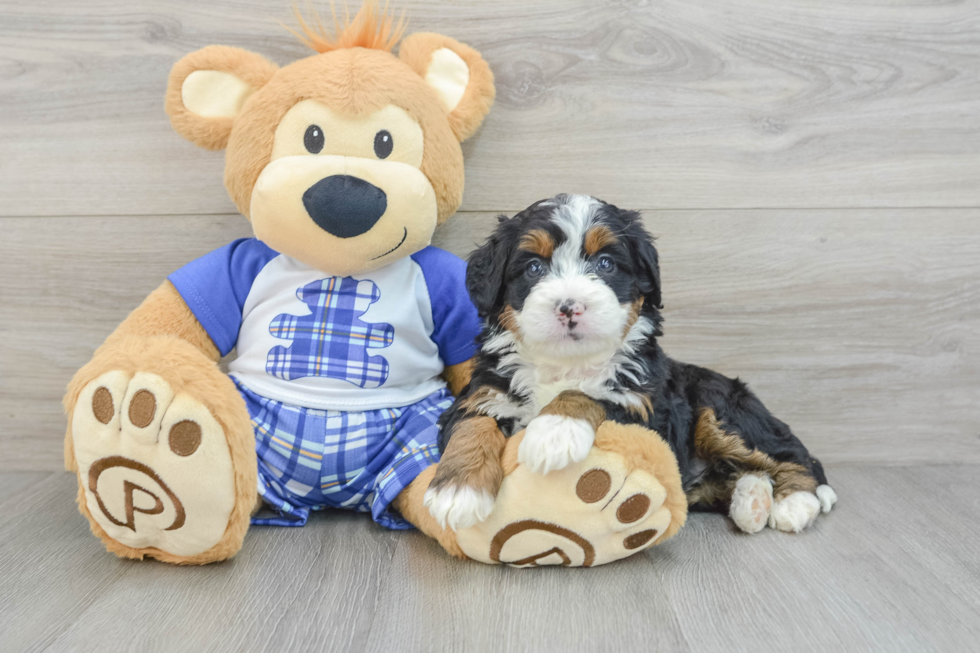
(456, 324)
(215, 287)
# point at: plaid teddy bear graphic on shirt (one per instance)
(333, 341)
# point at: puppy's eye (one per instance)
(383, 144)
(534, 269)
(313, 139)
(605, 264)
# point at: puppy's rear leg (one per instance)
(800, 496)
(824, 492)
(796, 503)
(784, 495)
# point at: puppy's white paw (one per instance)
(795, 512)
(553, 442)
(458, 507)
(827, 497)
(751, 503)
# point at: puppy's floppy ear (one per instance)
(207, 89)
(645, 254)
(458, 74)
(486, 268)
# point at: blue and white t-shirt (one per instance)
(364, 342)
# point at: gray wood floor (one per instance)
(811, 170)
(895, 567)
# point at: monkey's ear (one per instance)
(207, 90)
(458, 74)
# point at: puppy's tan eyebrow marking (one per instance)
(538, 241)
(598, 237)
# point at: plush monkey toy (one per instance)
(351, 330)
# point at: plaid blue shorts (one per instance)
(313, 459)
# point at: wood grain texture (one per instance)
(662, 103)
(861, 328)
(893, 568)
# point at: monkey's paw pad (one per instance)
(589, 513)
(154, 465)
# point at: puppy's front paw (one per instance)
(458, 507)
(553, 442)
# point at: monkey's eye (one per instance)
(534, 268)
(605, 264)
(383, 144)
(313, 139)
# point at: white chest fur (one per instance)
(538, 380)
(544, 393)
(543, 382)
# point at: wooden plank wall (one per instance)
(812, 169)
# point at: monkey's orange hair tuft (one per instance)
(372, 27)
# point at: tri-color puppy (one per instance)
(570, 293)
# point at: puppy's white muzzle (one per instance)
(577, 312)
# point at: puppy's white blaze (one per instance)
(751, 503)
(552, 442)
(827, 497)
(574, 215)
(795, 512)
(458, 507)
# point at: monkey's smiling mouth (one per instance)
(404, 236)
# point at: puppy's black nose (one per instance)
(567, 310)
(345, 206)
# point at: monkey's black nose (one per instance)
(345, 206)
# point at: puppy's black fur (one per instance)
(675, 395)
